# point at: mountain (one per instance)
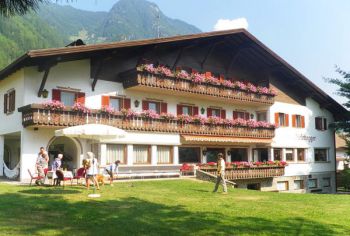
(55, 26)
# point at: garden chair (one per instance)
(60, 177)
(80, 174)
(186, 169)
(32, 177)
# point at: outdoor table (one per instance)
(52, 175)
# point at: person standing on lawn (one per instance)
(220, 174)
(41, 164)
(92, 171)
(113, 169)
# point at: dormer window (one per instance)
(321, 123)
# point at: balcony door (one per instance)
(212, 154)
(260, 154)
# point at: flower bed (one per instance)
(207, 78)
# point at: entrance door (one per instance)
(212, 154)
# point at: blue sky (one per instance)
(312, 35)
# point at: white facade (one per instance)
(76, 75)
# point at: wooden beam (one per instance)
(209, 52)
(97, 73)
(177, 58)
(235, 54)
(43, 81)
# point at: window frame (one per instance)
(148, 155)
(321, 123)
(286, 185)
(328, 181)
(258, 113)
(304, 155)
(10, 101)
(198, 150)
(120, 99)
(327, 154)
(171, 158)
(281, 154)
(302, 184)
(124, 160)
(316, 183)
(287, 151)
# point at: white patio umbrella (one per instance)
(91, 131)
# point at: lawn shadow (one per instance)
(50, 191)
(35, 214)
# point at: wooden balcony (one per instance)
(143, 81)
(35, 115)
(249, 173)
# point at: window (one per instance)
(312, 183)
(9, 101)
(282, 119)
(301, 154)
(277, 154)
(67, 97)
(282, 185)
(289, 155)
(239, 154)
(298, 184)
(141, 154)
(189, 155)
(164, 155)
(320, 123)
(115, 152)
(326, 182)
(261, 116)
(241, 115)
(298, 121)
(154, 106)
(117, 103)
(217, 112)
(321, 154)
(186, 110)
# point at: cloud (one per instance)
(225, 24)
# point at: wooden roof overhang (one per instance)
(229, 42)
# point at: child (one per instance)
(111, 170)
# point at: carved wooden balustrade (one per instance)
(249, 172)
(134, 78)
(36, 115)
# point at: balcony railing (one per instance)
(38, 115)
(136, 78)
(249, 173)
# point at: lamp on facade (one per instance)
(204, 152)
(45, 93)
(202, 110)
(251, 116)
(228, 153)
(136, 103)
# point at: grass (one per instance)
(169, 207)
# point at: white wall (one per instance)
(289, 137)
(13, 121)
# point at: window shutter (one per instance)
(80, 98)
(56, 95)
(144, 105)
(277, 118)
(223, 114)
(126, 103)
(325, 124)
(179, 109)
(235, 115)
(209, 112)
(195, 111)
(163, 107)
(105, 101)
(294, 121)
(302, 121)
(318, 123)
(286, 117)
(207, 74)
(5, 102)
(246, 115)
(12, 100)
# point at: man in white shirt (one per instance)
(92, 171)
(220, 174)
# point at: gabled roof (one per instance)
(35, 57)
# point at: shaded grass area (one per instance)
(169, 207)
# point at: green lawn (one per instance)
(169, 207)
